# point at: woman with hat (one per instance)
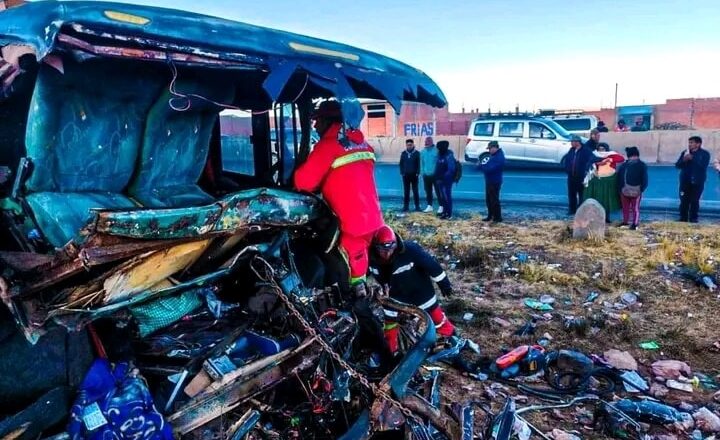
(601, 182)
(632, 179)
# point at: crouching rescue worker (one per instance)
(342, 167)
(409, 271)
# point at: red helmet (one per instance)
(385, 236)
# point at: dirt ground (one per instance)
(495, 267)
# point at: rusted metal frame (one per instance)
(210, 406)
(25, 261)
(444, 423)
(21, 311)
(149, 54)
(164, 45)
(86, 259)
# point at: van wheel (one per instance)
(483, 159)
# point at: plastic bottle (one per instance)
(709, 283)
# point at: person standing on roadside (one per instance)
(601, 127)
(428, 162)
(410, 170)
(576, 163)
(445, 177)
(594, 140)
(632, 179)
(693, 164)
(493, 171)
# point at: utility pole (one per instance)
(616, 89)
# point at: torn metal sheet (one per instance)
(400, 377)
(71, 260)
(135, 276)
(234, 213)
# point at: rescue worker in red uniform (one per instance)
(409, 271)
(342, 167)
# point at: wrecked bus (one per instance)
(133, 256)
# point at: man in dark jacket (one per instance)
(493, 170)
(693, 164)
(410, 170)
(409, 272)
(445, 177)
(576, 162)
(592, 143)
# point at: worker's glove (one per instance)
(447, 293)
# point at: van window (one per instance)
(236, 148)
(511, 129)
(484, 129)
(539, 131)
(575, 124)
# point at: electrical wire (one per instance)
(176, 95)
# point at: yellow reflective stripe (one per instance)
(352, 157)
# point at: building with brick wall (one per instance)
(422, 120)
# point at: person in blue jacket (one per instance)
(577, 161)
(445, 177)
(493, 170)
(693, 164)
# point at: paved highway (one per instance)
(545, 192)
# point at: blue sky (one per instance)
(532, 53)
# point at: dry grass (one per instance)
(674, 312)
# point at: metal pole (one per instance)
(616, 89)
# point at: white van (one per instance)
(576, 123)
(524, 139)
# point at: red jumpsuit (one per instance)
(346, 177)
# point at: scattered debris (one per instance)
(649, 345)
(633, 382)
(629, 298)
(592, 296)
(620, 359)
(671, 369)
(547, 299)
(658, 390)
(501, 322)
(537, 305)
(559, 434)
(680, 386)
(707, 421)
